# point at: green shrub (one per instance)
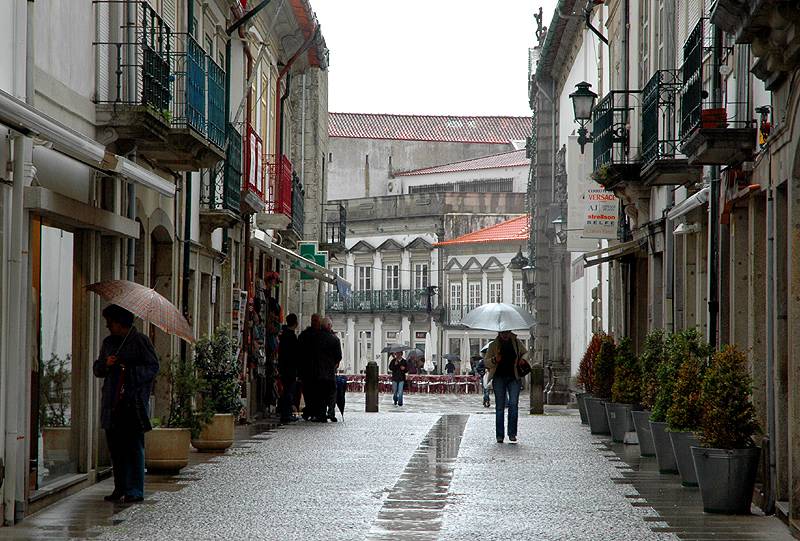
(586, 367)
(729, 418)
(604, 367)
(652, 356)
(678, 347)
(627, 385)
(218, 368)
(184, 385)
(684, 414)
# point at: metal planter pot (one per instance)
(682, 443)
(580, 398)
(641, 420)
(596, 413)
(619, 420)
(726, 478)
(665, 456)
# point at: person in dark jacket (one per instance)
(480, 371)
(288, 353)
(128, 365)
(398, 367)
(308, 368)
(330, 357)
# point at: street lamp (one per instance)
(560, 227)
(582, 104)
(529, 273)
(518, 262)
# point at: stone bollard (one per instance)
(371, 387)
(537, 390)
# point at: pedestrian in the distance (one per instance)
(399, 368)
(288, 353)
(309, 342)
(503, 358)
(480, 371)
(128, 365)
(450, 368)
(330, 357)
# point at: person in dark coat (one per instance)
(398, 367)
(128, 365)
(288, 353)
(308, 368)
(330, 357)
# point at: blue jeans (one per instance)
(127, 458)
(506, 388)
(397, 391)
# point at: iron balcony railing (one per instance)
(279, 197)
(659, 117)
(613, 129)
(454, 314)
(298, 206)
(335, 222)
(216, 104)
(692, 89)
(223, 189)
(189, 105)
(397, 300)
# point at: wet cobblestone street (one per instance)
(429, 470)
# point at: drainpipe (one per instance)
(771, 406)
(713, 205)
(131, 39)
(669, 264)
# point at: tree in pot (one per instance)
(586, 374)
(55, 378)
(602, 380)
(728, 460)
(651, 358)
(625, 391)
(218, 369)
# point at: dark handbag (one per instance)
(130, 414)
(523, 368)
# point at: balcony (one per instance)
(166, 95)
(254, 180)
(616, 161)
(710, 135)
(221, 195)
(400, 300)
(278, 211)
(662, 162)
(334, 227)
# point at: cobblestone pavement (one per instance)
(428, 470)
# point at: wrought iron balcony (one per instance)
(278, 212)
(223, 190)
(662, 161)
(334, 222)
(298, 206)
(399, 300)
(616, 154)
(711, 133)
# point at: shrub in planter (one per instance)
(651, 358)
(728, 461)
(627, 385)
(586, 367)
(678, 347)
(604, 364)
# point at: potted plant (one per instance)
(167, 445)
(602, 381)
(683, 414)
(651, 358)
(728, 460)
(586, 375)
(624, 393)
(55, 379)
(218, 369)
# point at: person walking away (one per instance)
(502, 360)
(330, 357)
(480, 371)
(128, 365)
(309, 344)
(288, 353)
(399, 368)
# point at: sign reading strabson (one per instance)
(602, 215)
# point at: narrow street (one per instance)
(430, 470)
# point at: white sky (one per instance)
(451, 57)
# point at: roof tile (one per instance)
(511, 230)
(506, 159)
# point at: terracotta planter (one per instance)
(216, 435)
(641, 420)
(580, 398)
(57, 441)
(682, 443)
(726, 477)
(620, 421)
(166, 449)
(664, 453)
(596, 412)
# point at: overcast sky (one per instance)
(456, 57)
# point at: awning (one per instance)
(689, 204)
(309, 267)
(604, 255)
(25, 119)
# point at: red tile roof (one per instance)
(506, 159)
(451, 129)
(515, 229)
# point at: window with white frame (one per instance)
(364, 278)
(519, 293)
(474, 295)
(338, 271)
(495, 291)
(455, 296)
(392, 277)
(421, 276)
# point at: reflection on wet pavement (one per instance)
(415, 505)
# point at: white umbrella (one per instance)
(428, 366)
(498, 316)
(362, 349)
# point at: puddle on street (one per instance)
(414, 507)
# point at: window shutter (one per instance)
(169, 12)
(102, 16)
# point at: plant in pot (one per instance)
(586, 375)
(683, 414)
(625, 393)
(651, 357)
(666, 373)
(728, 460)
(167, 445)
(217, 366)
(55, 378)
(602, 381)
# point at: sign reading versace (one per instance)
(602, 215)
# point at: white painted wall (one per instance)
(518, 175)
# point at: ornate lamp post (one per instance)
(582, 104)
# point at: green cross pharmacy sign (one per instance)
(308, 250)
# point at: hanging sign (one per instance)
(602, 215)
